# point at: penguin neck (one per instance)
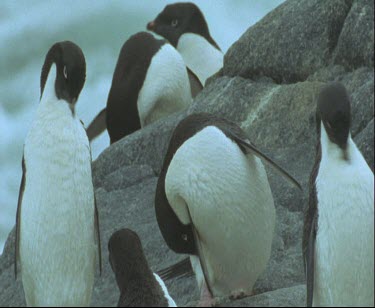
(200, 56)
(49, 101)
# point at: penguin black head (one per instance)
(70, 68)
(179, 18)
(333, 111)
(127, 259)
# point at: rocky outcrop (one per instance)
(269, 83)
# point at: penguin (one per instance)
(338, 238)
(99, 125)
(57, 223)
(184, 26)
(150, 82)
(213, 202)
(138, 285)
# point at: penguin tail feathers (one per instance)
(178, 270)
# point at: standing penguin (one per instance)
(338, 242)
(213, 201)
(57, 234)
(156, 67)
(185, 27)
(150, 82)
(138, 285)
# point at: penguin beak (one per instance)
(151, 26)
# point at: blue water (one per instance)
(29, 28)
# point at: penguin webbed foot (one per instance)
(239, 294)
(206, 298)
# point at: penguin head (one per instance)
(177, 19)
(126, 257)
(333, 110)
(64, 72)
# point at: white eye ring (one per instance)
(174, 22)
(65, 72)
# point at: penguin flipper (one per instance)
(195, 84)
(245, 143)
(97, 126)
(18, 216)
(177, 270)
(97, 236)
(310, 264)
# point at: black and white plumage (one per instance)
(338, 241)
(150, 82)
(184, 26)
(138, 285)
(213, 201)
(57, 234)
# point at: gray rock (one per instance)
(355, 47)
(126, 176)
(144, 147)
(290, 43)
(365, 143)
(360, 85)
(286, 297)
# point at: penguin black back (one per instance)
(135, 57)
(135, 280)
(179, 18)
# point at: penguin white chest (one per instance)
(229, 200)
(344, 255)
(57, 248)
(166, 88)
(200, 56)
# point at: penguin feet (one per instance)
(238, 294)
(206, 299)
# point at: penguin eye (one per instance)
(184, 237)
(174, 23)
(65, 71)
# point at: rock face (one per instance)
(268, 85)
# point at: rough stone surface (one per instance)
(289, 43)
(355, 47)
(269, 87)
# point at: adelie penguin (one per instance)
(185, 27)
(150, 81)
(138, 285)
(213, 202)
(338, 242)
(57, 233)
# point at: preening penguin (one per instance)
(213, 201)
(150, 82)
(338, 241)
(57, 234)
(138, 285)
(185, 27)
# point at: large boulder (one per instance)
(289, 43)
(268, 86)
